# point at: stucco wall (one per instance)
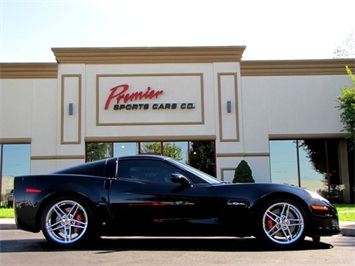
(285, 103)
(284, 107)
(299, 105)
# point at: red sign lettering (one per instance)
(120, 93)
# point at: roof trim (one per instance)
(149, 55)
(248, 68)
(150, 138)
(296, 67)
(28, 70)
(15, 140)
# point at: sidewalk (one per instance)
(347, 228)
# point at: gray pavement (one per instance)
(347, 228)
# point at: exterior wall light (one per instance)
(71, 108)
(229, 107)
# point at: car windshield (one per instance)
(206, 177)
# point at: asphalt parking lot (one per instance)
(25, 248)
(18, 247)
(347, 228)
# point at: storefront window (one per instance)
(200, 154)
(150, 147)
(283, 158)
(125, 148)
(98, 151)
(177, 150)
(304, 163)
(15, 160)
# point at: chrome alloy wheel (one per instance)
(283, 223)
(66, 222)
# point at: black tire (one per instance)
(66, 221)
(282, 222)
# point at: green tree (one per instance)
(97, 151)
(243, 173)
(169, 149)
(346, 49)
(152, 147)
(202, 156)
(173, 151)
(323, 154)
(347, 107)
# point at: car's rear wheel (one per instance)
(282, 222)
(66, 221)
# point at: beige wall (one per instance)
(269, 99)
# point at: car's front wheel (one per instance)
(282, 222)
(66, 221)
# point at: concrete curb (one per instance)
(347, 228)
(7, 223)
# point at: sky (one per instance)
(270, 29)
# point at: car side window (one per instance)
(150, 170)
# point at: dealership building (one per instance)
(129, 98)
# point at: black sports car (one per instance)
(157, 196)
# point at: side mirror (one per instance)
(182, 180)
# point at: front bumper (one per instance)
(325, 222)
(326, 228)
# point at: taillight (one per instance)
(32, 190)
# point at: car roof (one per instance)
(145, 156)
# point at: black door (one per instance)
(144, 196)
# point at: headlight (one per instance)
(317, 196)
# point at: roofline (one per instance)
(28, 70)
(296, 67)
(149, 55)
(248, 68)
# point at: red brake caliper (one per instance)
(79, 218)
(270, 224)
